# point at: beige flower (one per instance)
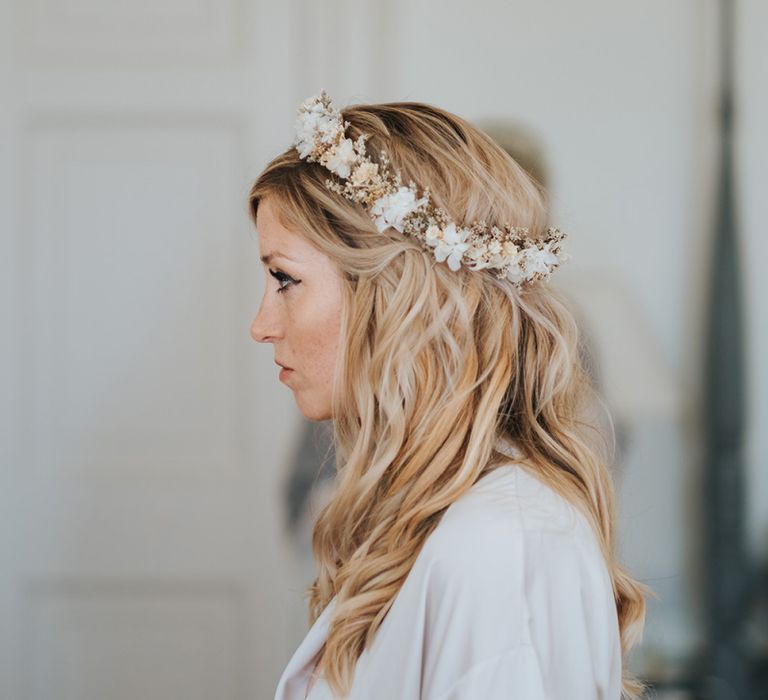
(510, 249)
(364, 173)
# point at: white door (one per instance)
(143, 434)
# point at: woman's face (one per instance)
(300, 312)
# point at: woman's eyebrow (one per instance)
(269, 256)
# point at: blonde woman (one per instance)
(467, 551)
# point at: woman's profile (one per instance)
(467, 550)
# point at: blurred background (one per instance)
(157, 482)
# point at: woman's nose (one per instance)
(264, 327)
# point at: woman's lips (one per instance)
(284, 371)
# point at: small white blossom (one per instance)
(305, 142)
(509, 254)
(392, 209)
(452, 246)
(329, 129)
(315, 121)
(538, 261)
(476, 257)
(306, 131)
(433, 235)
(515, 274)
(340, 158)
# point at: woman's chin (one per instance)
(312, 412)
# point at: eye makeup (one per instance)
(283, 278)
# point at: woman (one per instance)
(467, 550)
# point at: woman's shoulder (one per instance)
(511, 498)
(511, 519)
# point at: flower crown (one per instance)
(508, 251)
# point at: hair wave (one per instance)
(434, 365)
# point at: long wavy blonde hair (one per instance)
(434, 366)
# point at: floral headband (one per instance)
(508, 251)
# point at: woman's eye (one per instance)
(282, 277)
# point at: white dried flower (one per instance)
(316, 122)
(340, 158)
(452, 246)
(515, 274)
(476, 257)
(307, 128)
(537, 261)
(392, 209)
(432, 235)
(305, 142)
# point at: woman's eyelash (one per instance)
(282, 277)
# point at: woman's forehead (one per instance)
(279, 244)
(267, 215)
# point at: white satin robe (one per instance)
(509, 599)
